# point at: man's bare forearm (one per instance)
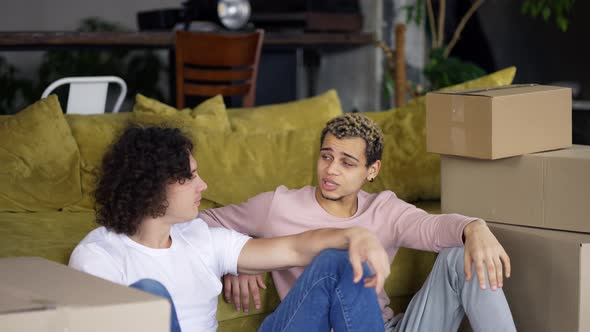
(309, 244)
(294, 250)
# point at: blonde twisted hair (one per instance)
(357, 125)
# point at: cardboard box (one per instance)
(548, 190)
(40, 295)
(499, 122)
(549, 288)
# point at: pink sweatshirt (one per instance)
(395, 222)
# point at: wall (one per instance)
(356, 73)
(41, 15)
(541, 52)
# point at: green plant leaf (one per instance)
(546, 13)
(547, 8)
(525, 7)
(409, 9)
(442, 72)
(562, 23)
(419, 11)
(388, 85)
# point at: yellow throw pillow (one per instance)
(210, 115)
(499, 78)
(311, 112)
(407, 169)
(237, 166)
(94, 134)
(40, 159)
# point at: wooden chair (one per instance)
(208, 64)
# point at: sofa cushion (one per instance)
(40, 159)
(311, 112)
(94, 134)
(52, 235)
(238, 165)
(210, 115)
(407, 169)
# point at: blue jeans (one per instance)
(156, 288)
(325, 297)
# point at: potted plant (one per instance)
(442, 69)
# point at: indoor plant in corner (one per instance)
(444, 70)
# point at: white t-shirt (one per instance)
(191, 268)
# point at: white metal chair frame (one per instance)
(88, 94)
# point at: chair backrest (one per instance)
(226, 63)
(88, 94)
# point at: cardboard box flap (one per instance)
(503, 91)
(574, 152)
(11, 301)
(549, 287)
(584, 287)
(80, 288)
(580, 239)
(43, 296)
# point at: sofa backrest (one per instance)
(50, 161)
(39, 159)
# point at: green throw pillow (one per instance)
(40, 159)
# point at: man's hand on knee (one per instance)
(483, 249)
(237, 290)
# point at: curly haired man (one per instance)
(350, 155)
(148, 200)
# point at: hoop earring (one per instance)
(371, 179)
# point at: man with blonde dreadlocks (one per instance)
(350, 155)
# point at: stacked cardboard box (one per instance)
(500, 122)
(39, 295)
(549, 289)
(548, 189)
(508, 159)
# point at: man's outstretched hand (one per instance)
(365, 247)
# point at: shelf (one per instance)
(22, 40)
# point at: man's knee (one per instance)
(453, 257)
(331, 260)
(332, 255)
(339, 260)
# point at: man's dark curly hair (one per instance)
(135, 173)
(357, 125)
